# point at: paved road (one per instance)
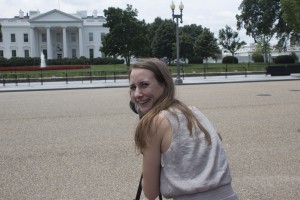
(78, 144)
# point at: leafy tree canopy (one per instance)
(259, 18)
(126, 37)
(164, 40)
(187, 37)
(206, 45)
(291, 13)
(229, 40)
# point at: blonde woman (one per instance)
(183, 156)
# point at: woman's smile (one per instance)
(144, 88)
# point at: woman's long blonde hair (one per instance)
(164, 102)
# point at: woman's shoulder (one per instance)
(161, 118)
(161, 121)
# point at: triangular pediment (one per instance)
(55, 16)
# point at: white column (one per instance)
(65, 42)
(49, 47)
(32, 42)
(80, 41)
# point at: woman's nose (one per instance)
(137, 93)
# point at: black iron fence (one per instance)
(61, 76)
(90, 75)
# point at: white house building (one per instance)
(55, 33)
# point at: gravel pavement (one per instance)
(78, 144)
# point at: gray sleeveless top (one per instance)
(190, 165)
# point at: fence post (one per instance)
(28, 78)
(66, 76)
(91, 76)
(3, 79)
(41, 77)
(16, 79)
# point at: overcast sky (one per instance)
(212, 14)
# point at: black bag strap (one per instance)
(139, 191)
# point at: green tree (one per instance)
(260, 49)
(127, 35)
(291, 13)
(206, 45)
(152, 28)
(164, 40)
(257, 57)
(187, 37)
(284, 34)
(259, 18)
(229, 40)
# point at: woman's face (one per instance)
(144, 88)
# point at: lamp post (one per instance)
(178, 80)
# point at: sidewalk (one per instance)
(37, 86)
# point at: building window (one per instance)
(26, 53)
(58, 37)
(25, 37)
(102, 36)
(1, 54)
(1, 37)
(91, 37)
(73, 53)
(44, 38)
(91, 53)
(13, 37)
(73, 37)
(13, 53)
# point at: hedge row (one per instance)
(17, 61)
(284, 59)
(230, 60)
(283, 70)
(85, 61)
(35, 61)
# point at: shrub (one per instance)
(284, 59)
(35, 61)
(230, 60)
(196, 60)
(4, 62)
(293, 54)
(257, 57)
(83, 61)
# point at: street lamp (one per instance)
(178, 80)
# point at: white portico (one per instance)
(55, 33)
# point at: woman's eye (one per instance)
(132, 87)
(144, 84)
